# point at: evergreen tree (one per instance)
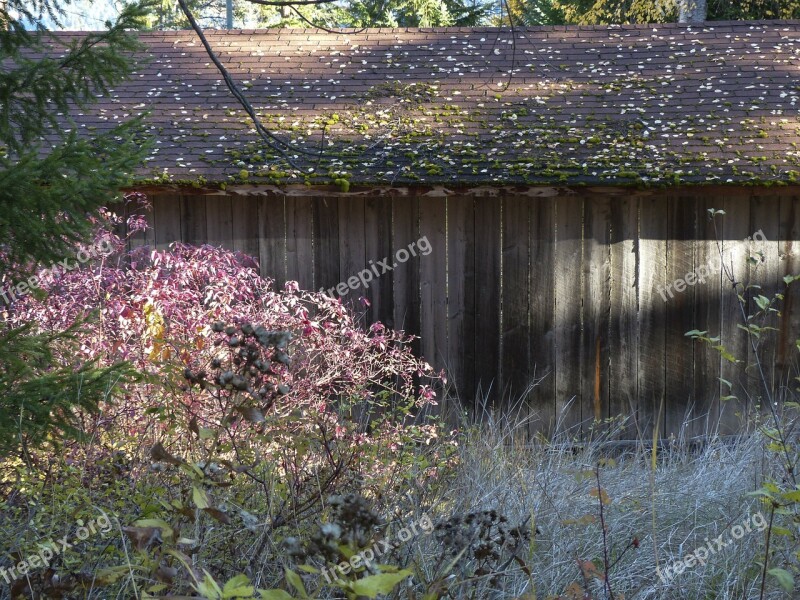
(725, 10)
(166, 14)
(598, 12)
(416, 13)
(531, 13)
(348, 13)
(51, 182)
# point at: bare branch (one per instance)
(270, 138)
(325, 29)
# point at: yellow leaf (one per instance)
(110, 575)
(584, 520)
(573, 592)
(600, 493)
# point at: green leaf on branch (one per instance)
(199, 497)
(295, 581)
(785, 579)
(789, 279)
(753, 330)
(209, 588)
(382, 583)
(166, 528)
(725, 354)
(238, 587)
(274, 595)
(695, 333)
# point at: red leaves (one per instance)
(590, 571)
(218, 515)
(143, 537)
(156, 307)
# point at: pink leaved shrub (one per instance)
(155, 308)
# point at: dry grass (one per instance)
(692, 497)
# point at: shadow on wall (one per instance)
(510, 287)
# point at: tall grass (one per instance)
(693, 495)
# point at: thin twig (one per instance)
(605, 535)
(325, 29)
(766, 554)
(270, 138)
(734, 284)
(513, 45)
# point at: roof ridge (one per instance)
(480, 29)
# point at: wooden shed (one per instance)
(555, 184)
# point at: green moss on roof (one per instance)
(631, 105)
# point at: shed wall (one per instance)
(554, 297)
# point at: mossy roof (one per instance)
(634, 104)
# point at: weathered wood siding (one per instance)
(555, 287)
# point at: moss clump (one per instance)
(413, 92)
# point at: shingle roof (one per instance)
(620, 104)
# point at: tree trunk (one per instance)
(692, 11)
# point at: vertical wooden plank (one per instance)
(652, 312)
(299, 245)
(219, 221)
(597, 308)
(789, 324)
(542, 314)
(433, 281)
(679, 358)
(326, 244)
(764, 246)
(735, 225)
(272, 239)
(461, 295)
(516, 284)
(568, 267)
(488, 298)
(708, 317)
(246, 224)
(167, 217)
(140, 238)
(352, 249)
(193, 219)
(378, 227)
(623, 342)
(405, 276)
